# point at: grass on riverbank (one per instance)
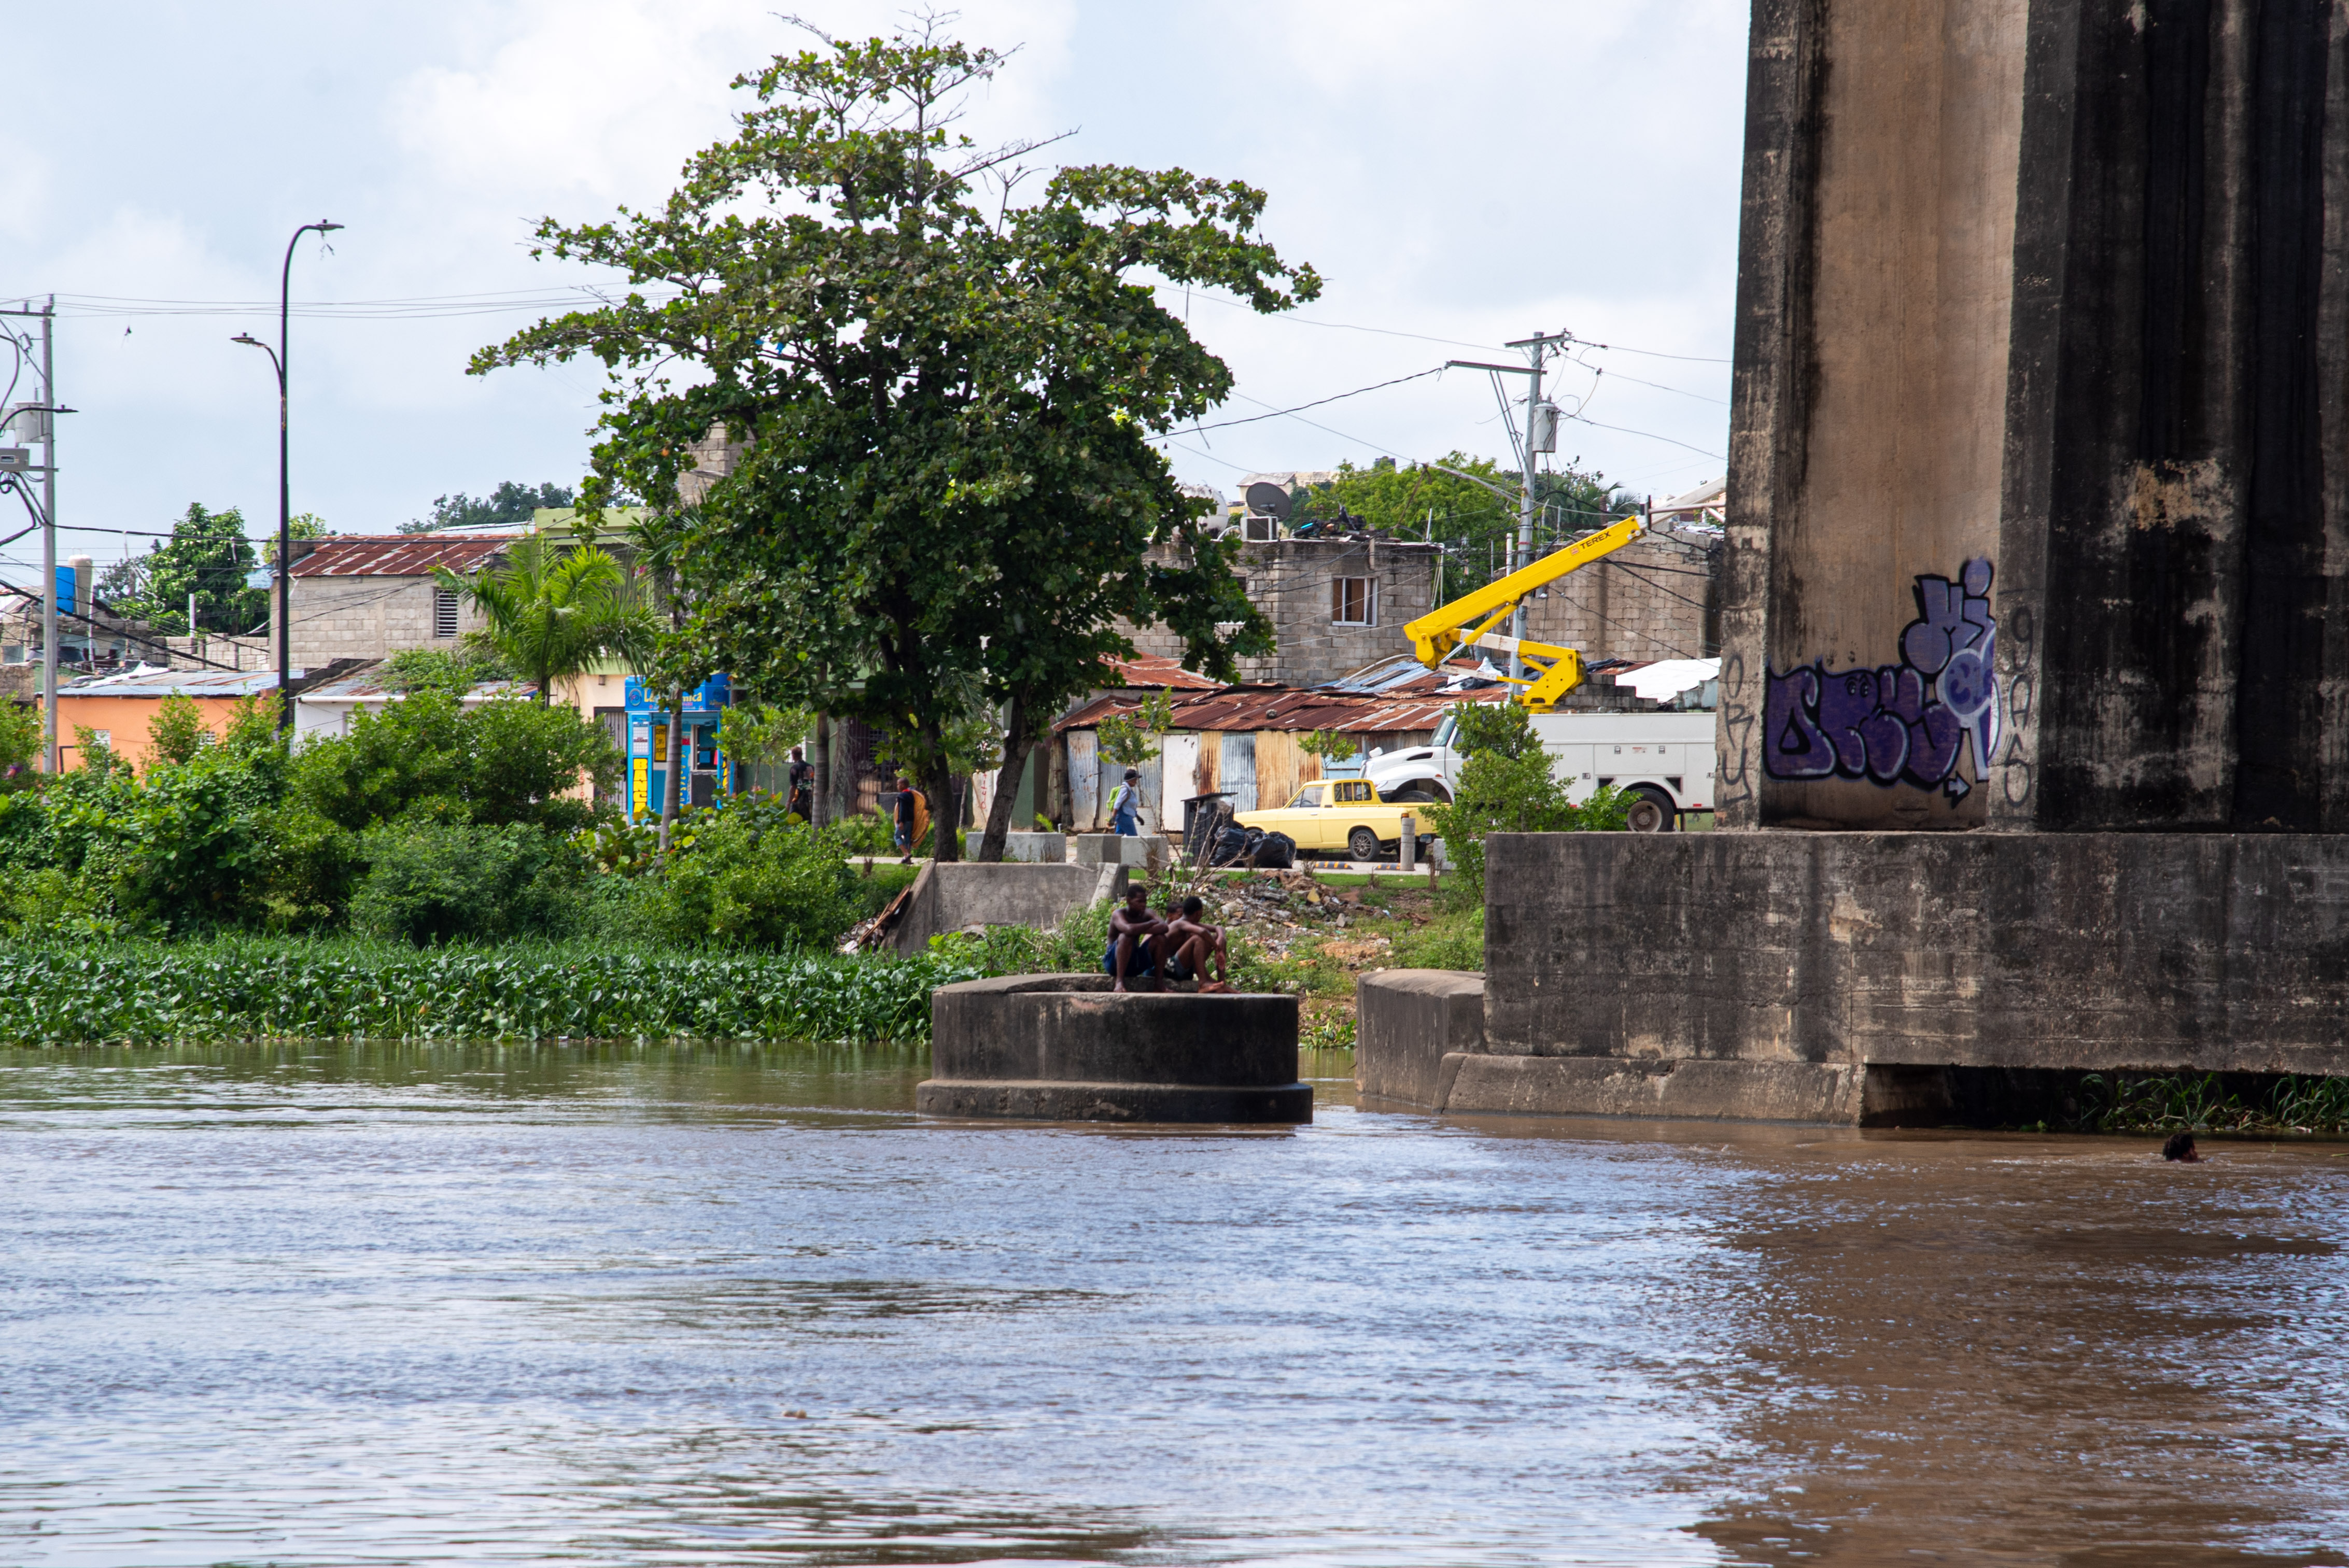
(262, 988)
(2252, 1104)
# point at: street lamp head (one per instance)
(325, 228)
(248, 340)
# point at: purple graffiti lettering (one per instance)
(1908, 722)
(1792, 746)
(1846, 701)
(1943, 625)
(1933, 742)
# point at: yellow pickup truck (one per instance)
(1339, 815)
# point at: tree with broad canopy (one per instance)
(945, 397)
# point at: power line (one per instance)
(1651, 434)
(1252, 418)
(411, 308)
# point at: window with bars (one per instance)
(444, 612)
(1354, 601)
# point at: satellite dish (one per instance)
(1268, 500)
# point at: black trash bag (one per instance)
(1274, 851)
(1231, 845)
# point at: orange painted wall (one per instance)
(125, 718)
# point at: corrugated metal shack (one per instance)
(1243, 740)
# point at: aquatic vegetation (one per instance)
(2211, 1103)
(258, 988)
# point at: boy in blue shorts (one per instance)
(1133, 932)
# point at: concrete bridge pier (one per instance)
(2034, 742)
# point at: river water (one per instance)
(406, 1306)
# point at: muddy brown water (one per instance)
(392, 1305)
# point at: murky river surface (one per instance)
(399, 1306)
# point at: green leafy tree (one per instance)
(508, 503)
(1440, 500)
(1330, 745)
(207, 555)
(1132, 739)
(946, 394)
(549, 613)
(1507, 786)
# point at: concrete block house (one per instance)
(365, 596)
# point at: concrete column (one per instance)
(2043, 353)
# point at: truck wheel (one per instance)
(1362, 844)
(1652, 811)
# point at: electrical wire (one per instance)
(1277, 413)
(411, 308)
(1651, 434)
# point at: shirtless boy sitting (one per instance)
(1134, 937)
(1193, 946)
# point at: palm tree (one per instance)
(552, 614)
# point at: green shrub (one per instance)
(1454, 941)
(753, 878)
(1507, 786)
(431, 883)
(20, 745)
(176, 733)
(426, 757)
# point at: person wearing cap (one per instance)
(1125, 806)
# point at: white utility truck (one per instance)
(1662, 758)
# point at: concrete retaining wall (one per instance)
(2087, 951)
(1406, 1021)
(967, 892)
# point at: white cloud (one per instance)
(1469, 171)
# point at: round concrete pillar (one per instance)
(1065, 1048)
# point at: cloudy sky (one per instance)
(1461, 174)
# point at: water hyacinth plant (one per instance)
(245, 988)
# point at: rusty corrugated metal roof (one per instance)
(399, 554)
(150, 683)
(1250, 709)
(1159, 671)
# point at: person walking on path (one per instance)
(1125, 806)
(910, 812)
(803, 780)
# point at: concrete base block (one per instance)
(1406, 1021)
(1471, 1084)
(2083, 951)
(967, 892)
(1045, 1102)
(1065, 1048)
(1036, 849)
(1111, 850)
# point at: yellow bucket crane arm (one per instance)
(1434, 635)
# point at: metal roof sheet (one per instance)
(153, 683)
(371, 688)
(1157, 670)
(1250, 709)
(399, 554)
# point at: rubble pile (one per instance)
(1287, 913)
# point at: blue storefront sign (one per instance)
(708, 775)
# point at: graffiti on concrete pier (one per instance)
(1898, 724)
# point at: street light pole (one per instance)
(282, 615)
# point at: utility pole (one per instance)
(1540, 436)
(49, 539)
(43, 432)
